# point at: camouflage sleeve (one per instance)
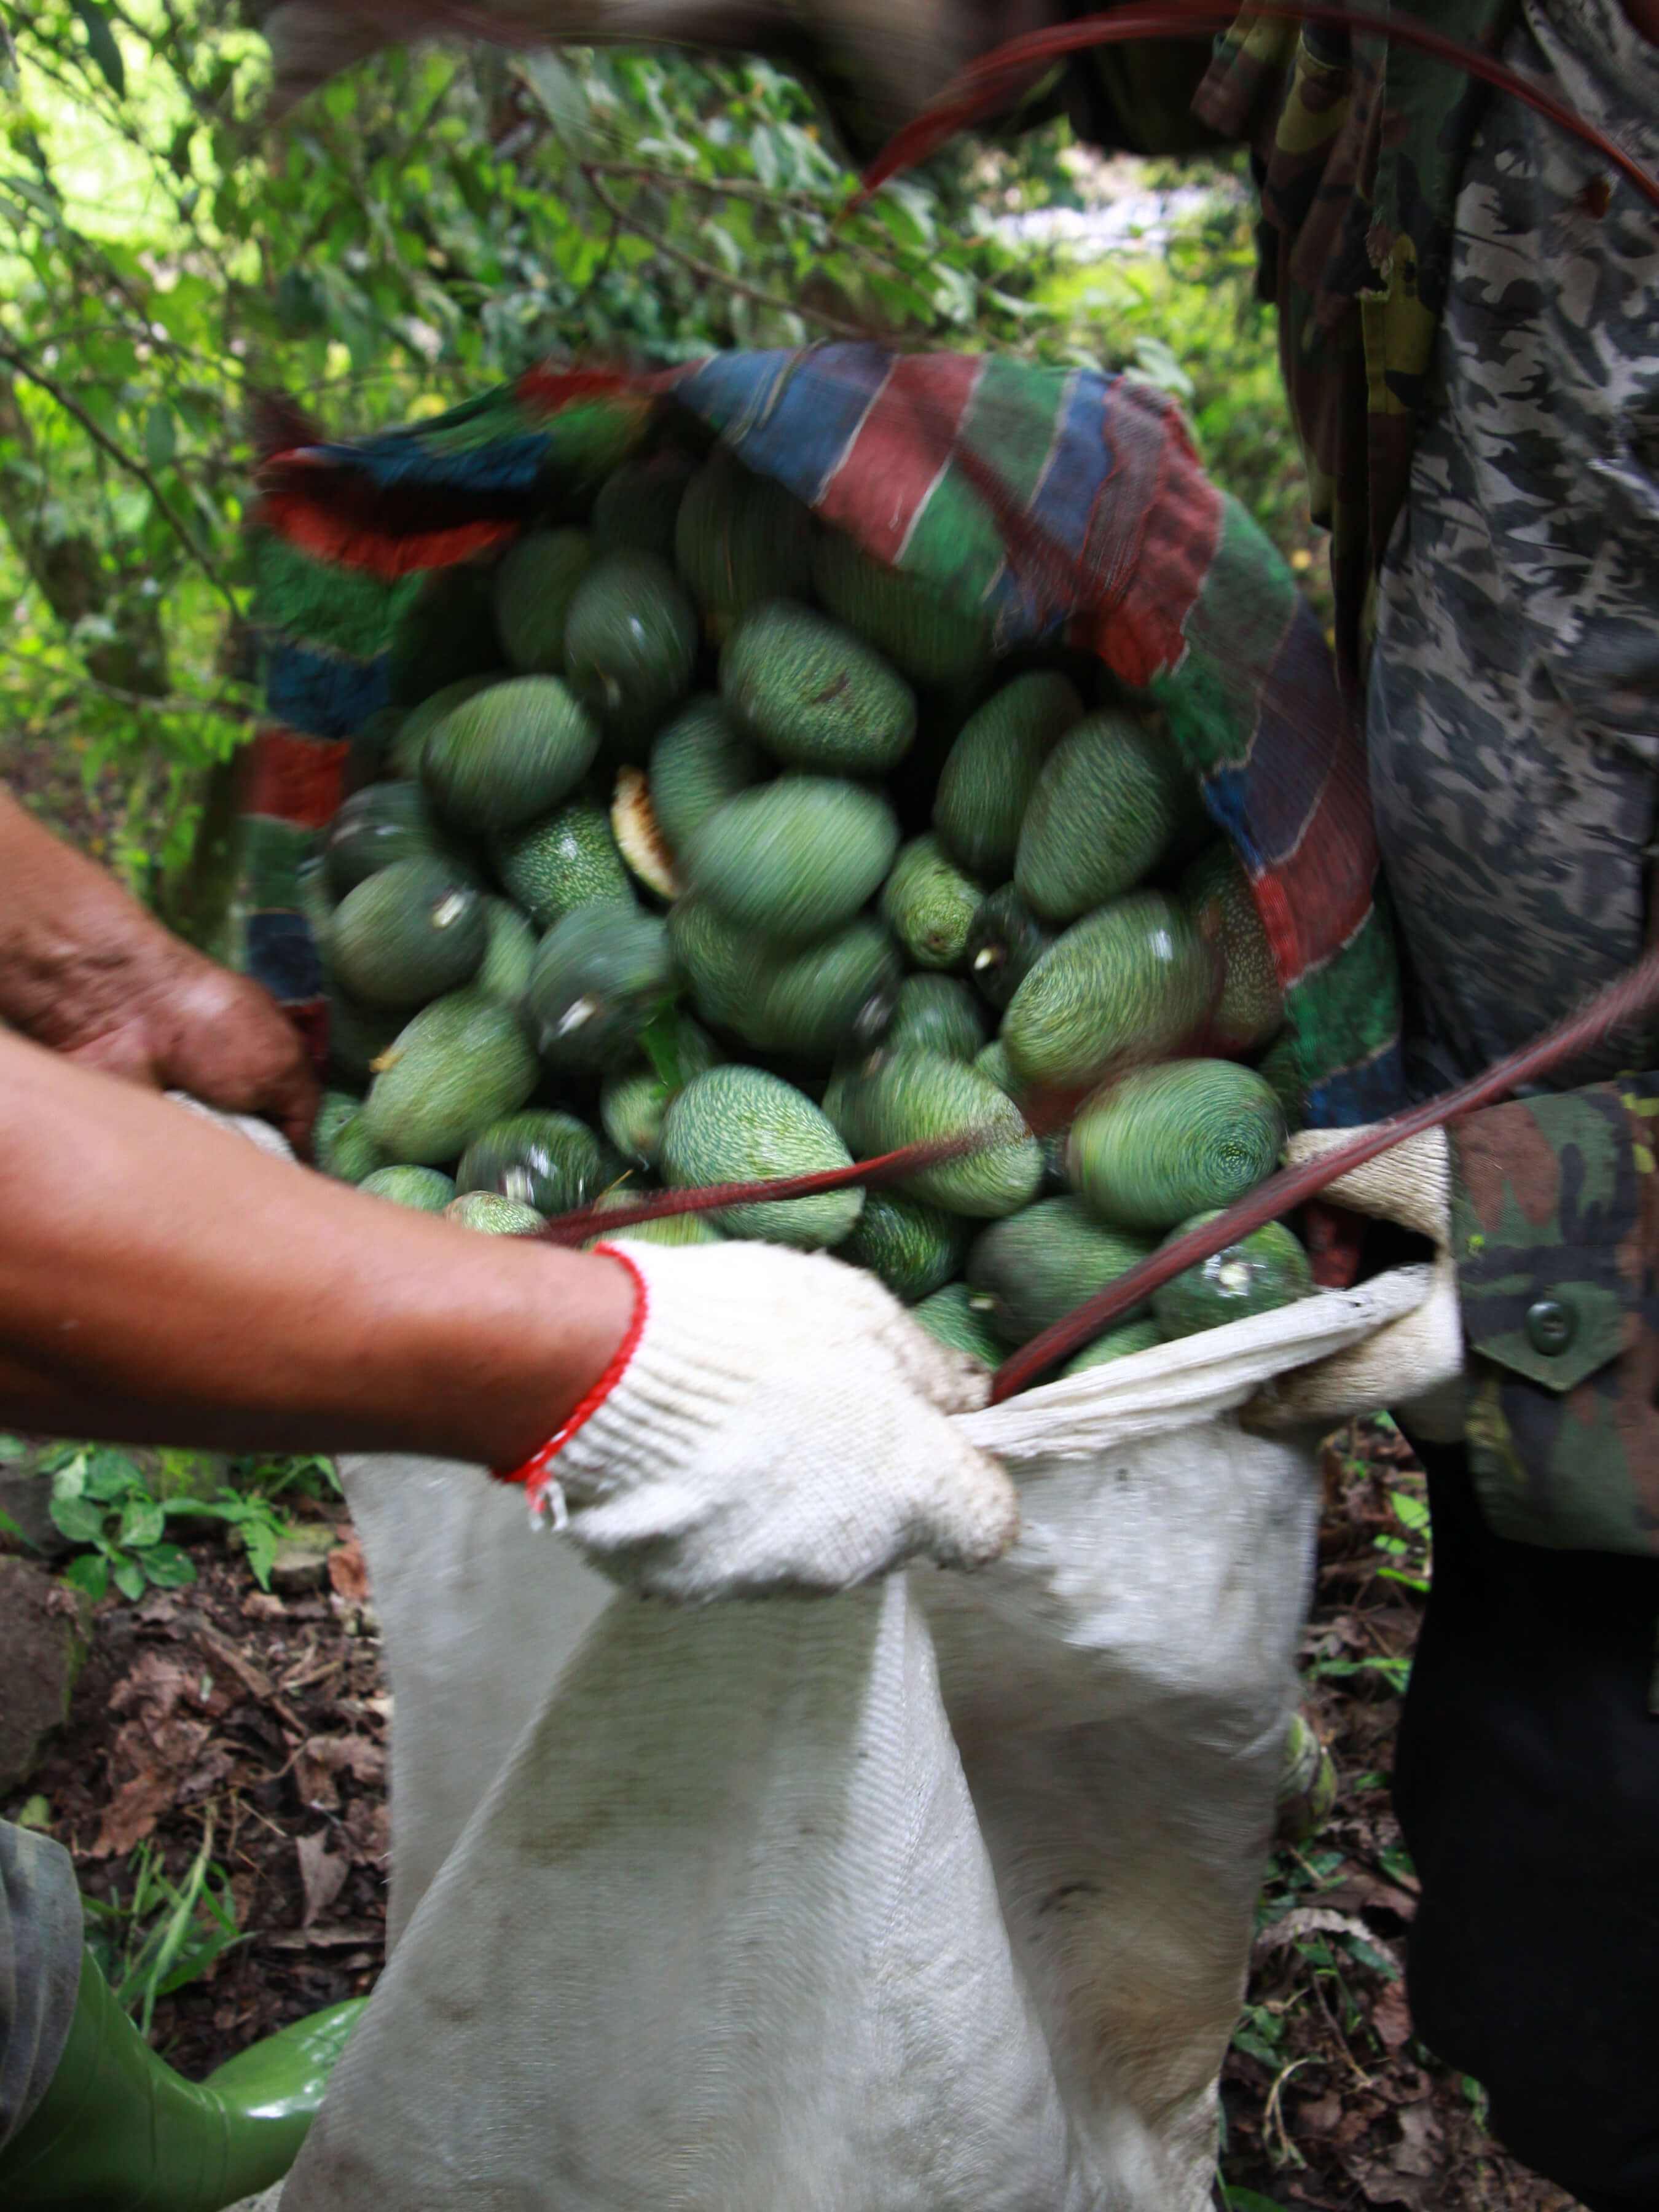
(1556, 1224)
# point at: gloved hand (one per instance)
(774, 1419)
(1415, 1364)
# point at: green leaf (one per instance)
(9, 1528)
(69, 1476)
(78, 1518)
(168, 1567)
(90, 1573)
(559, 90)
(129, 1577)
(111, 1476)
(263, 1537)
(100, 42)
(143, 1520)
(160, 438)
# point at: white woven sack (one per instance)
(935, 1895)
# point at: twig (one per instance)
(709, 273)
(133, 467)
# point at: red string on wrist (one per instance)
(533, 1475)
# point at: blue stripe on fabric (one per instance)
(1077, 467)
(325, 695)
(280, 954)
(793, 420)
(1356, 1095)
(1267, 803)
(410, 462)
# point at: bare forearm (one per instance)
(66, 929)
(162, 1279)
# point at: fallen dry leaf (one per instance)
(1391, 2017)
(322, 1874)
(347, 1575)
(131, 1813)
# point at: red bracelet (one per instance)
(533, 1475)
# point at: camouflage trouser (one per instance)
(40, 1967)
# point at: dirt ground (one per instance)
(267, 1715)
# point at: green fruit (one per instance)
(334, 1109)
(461, 1064)
(550, 1161)
(1250, 1005)
(715, 957)
(509, 953)
(567, 861)
(600, 976)
(928, 904)
(697, 764)
(1261, 1273)
(992, 1062)
(630, 642)
(813, 695)
(668, 1229)
(1119, 1341)
(534, 586)
(633, 1101)
(1042, 1264)
(407, 934)
(807, 1004)
(423, 1190)
(1005, 940)
(794, 859)
(915, 1248)
(740, 538)
(740, 1125)
(404, 754)
(1131, 982)
(842, 1097)
(377, 825)
(951, 1316)
(505, 757)
(495, 1216)
(1162, 1143)
(445, 633)
(921, 1098)
(936, 1013)
(357, 1035)
(933, 639)
(351, 1152)
(993, 768)
(1104, 811)
(639, 504)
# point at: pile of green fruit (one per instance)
(702, 848)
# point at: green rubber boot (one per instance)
(118, 2130)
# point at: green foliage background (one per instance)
(426, 227)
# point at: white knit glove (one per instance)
(780, 1423)
(1414, 1364)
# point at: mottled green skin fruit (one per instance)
(1280, 1069)
(634, 1100)
(740, 1125)
(461, 1064)
(1005, 940)
(600, 975)
(807, 1005)
(639, 504)
(931, 638)
(1265, 1271)
(713, 957)
(353, 1153)
(507, 756)
(445, 632)
(423, 1190)
(1129, 983)
(920, 1097)
(1162, 1143)
(567, 861)
(929, 904)
(697, 764)
(1042, 1264)
(509, 953)
(740, 539)
(403, 755)
(936, 1013)
(534, 586)
(630, 641)
(381, 824)
(1249, 1006)
(950, 1316)
(357, 1035)
(993, 768)
(794, 859)
(813, 695)
(495, 1216)
(334, 1109)
(1102, 813)
(842, 1098)
(915, 1248)
(1119, 1341)
(671, 1228)
(992, 1062)
(407, 935)
(548, 1160)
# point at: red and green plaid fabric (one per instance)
(1070, 504)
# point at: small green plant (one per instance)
(165, 1934)
(100, 1501)
(1410, 1551)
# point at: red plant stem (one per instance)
(1000, 75)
